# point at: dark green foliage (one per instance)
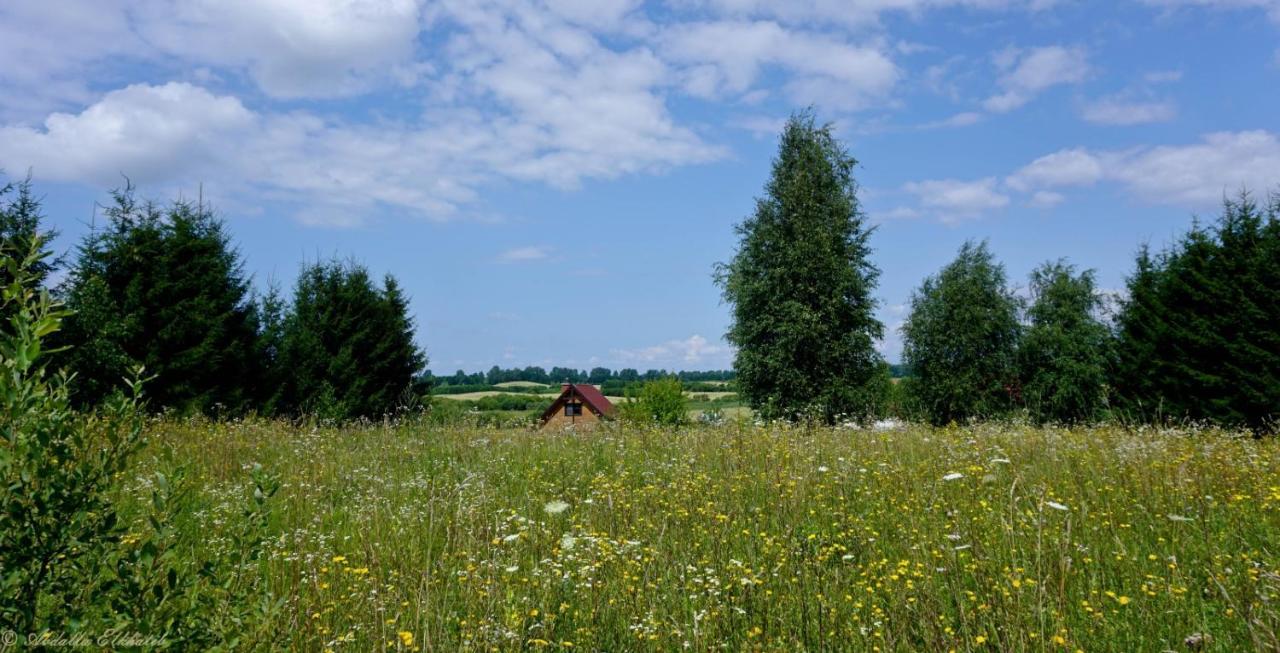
(163, 289)
(661, 402)
(1197, 337)
(960, 340)
(20, 227)
(1063, 354)
(800, 286)
(346, 347)
(72, 562)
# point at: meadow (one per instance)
(997, 537)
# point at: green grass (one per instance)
(739, 537)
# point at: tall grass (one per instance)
(997, 537)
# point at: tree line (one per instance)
(162, 288)
(596, 375)
(1195, 335)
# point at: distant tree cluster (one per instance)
(596, 375)
(1197, 337)
(163, 288)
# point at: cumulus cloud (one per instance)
(1026, 73)
(524, 254)
(148, 132)
(337, 172)
(952, 199)
(1074, 167)
(1120, 111)
(1195, 175)
(728, 56)
(692, 350)
(853, 14)
(1272, 7)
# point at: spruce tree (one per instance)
(1063, 353)
(800, 286)
(1197, 337)
(21, 223)
(346, 347)
(960, 340)
(163, 288)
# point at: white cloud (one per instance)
(150, 133)
(291, 48)
(692, 350)
(1119, 111)
(338, 173)
(1044, 199)
(1194, 175)
(844, 12)
(1271, 6)
(728, 57)
(958, 120)
(953, 199)
(1163, 76)
(524, 254)
(1075, 167)
(1026, 73)
(1199, 174)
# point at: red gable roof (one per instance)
(589, 394)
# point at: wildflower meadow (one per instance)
(999, 537)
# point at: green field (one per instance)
(992, 538)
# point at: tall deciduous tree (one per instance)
(960, 340)
(1063, 353)
(163, 288)
(346, 348)
(1197, 336)
(800, 286)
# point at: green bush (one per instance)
(70, 561)
(656, 402)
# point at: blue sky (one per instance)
(553, 181)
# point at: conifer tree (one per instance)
(346, 347)
(163, 288)
(800, 286)
(1197, 338)
(21, 224)
(960, 340)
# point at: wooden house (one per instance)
(579, 405)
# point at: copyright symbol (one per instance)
(8, 638)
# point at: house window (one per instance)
(572, 410)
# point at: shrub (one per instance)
(657, 402)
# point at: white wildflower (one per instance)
(1056, 506)
(824, 469)
(953, 476)
(568, 542)
(555, 507)
(1173, 517)
(511, 538)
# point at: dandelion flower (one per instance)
(406, 638)
(555, 507)
(953, 476)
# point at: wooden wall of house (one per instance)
(559, 420)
